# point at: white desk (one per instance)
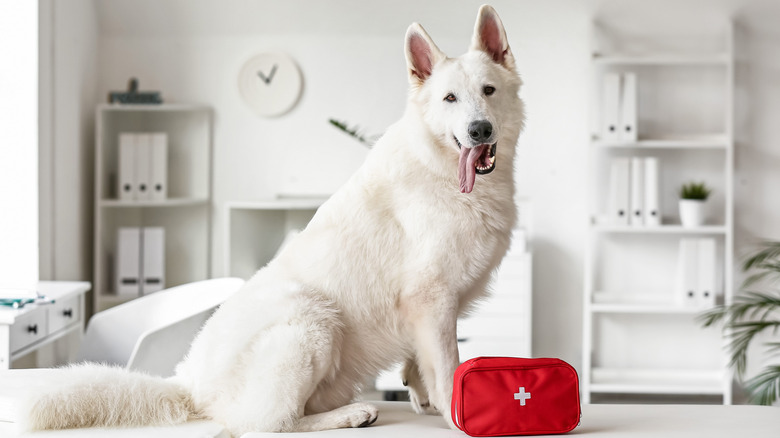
(396, 419)
(34, 325)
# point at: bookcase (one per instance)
(637, 337)
(255, 230)
(184, 214)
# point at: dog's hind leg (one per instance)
(353, 415)
(282, 367)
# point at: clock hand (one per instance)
(268, 79)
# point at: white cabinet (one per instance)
(185, 211)
(255, 230)
(638, 338)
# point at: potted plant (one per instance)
(756, 310)
(692, 198)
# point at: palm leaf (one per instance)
(742, 334)
(770, 251)
(765, 387)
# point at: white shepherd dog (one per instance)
(379, 276)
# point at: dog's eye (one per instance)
(450, 98)
(489, 89)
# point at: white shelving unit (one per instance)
(636, 339)
(185, 214)
(254, 230)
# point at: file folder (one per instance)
(128, 257)
(126, 177)
(159, 166)
(628, 108)
(153, 260)
(619, 191)
(652, 210)
(611, 107)
(706, 272)
(637, 191)
(143, 171)
(687, 273)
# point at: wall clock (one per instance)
(270, 84)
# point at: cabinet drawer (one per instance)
(64, 313)
(28, 329)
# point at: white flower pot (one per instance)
(691, 212)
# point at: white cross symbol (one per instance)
(522, 396)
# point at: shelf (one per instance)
(153, 107)
(660, 309)
(173, 202)
(664, 59)
(646, 303)
(634, 381)
(661, 229)
(278, 204)
(703, 142)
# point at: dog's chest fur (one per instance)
(400, 226)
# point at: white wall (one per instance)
(351, 56)
(68, 57)
(18, 140)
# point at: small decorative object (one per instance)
(270, 84)
(354, 133)
(133, 96)
(692, 198)
(753, 312)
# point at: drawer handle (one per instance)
(68, 313)
(32, 329)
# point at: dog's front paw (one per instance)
(419, 402)
(418, 395)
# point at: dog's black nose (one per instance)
(480, 130)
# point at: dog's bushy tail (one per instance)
(93, 395)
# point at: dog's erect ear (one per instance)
(490, 37)
(422, 55)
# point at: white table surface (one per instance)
(396, 419)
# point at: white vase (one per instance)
(691, 212)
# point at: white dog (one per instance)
(378, 277)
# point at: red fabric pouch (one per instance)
(496, 396)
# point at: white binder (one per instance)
(611, 107)
(143, 171)
(687, 273)
(628, 108)
(153, 259)
(128, 258)
(652, 210)
(706, 272)
(126, 177)
(619, 183)
(159, 166)
(637, 202)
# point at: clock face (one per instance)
(270, 84)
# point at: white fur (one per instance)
(378, 277)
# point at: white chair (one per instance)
(154, 332)
(150, 334)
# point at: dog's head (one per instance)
(470, 104)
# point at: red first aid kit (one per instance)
(497, 396)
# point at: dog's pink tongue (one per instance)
(467, 173)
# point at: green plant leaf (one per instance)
(764, 388)
(352, 132)
(693, 190)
